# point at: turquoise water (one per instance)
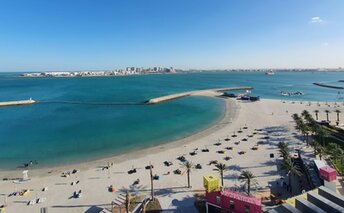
(55, 133)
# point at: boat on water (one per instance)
(286, 93)
(249, 98)
(270, 72)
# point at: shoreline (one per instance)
(231, 108)
(267, 122)
(230, 113)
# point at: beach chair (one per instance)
(112, 189)
(25, 193)
(41, 200)
(31, 202)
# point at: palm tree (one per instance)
(292, 170)
(338, 112)
(248, 178)
(334, 150)
(295, 116)
(221, 167)
(188, 166)
(322, 133)
(127, 201)
(312, 127)
(342, 161)
(306, 115)
(296, 119)
(283, 149)
(152, 180)
(316, 114)
(304, 130)
(327, 112)
(300, 125)
(318, 150)
(338, 155)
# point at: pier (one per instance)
(206, 92)
(328, 86)
(15, 103)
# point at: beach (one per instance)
(263, 123)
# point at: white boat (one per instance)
(270, 72)
(286, 93)
(283, 93)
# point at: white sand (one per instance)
(94, 182)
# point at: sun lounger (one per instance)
(168, 163)
(181, 158)
(149, 166)
(77, 194)
(25, 192)
(132, 171)
(41, 200)
(31, 202)
(177, 171)
(227, 158)
(112, 189)
(213, 162)
(193, 153)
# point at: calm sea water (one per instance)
(55, 133)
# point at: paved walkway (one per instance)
(178, 202)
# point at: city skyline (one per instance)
(88, 35)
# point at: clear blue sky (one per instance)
(43, 35)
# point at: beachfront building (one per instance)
(231, 201)
(224, 200)
(320, 200)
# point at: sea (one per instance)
(87, 118)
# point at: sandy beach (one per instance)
(266, 123)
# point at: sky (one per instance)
(67, 35)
